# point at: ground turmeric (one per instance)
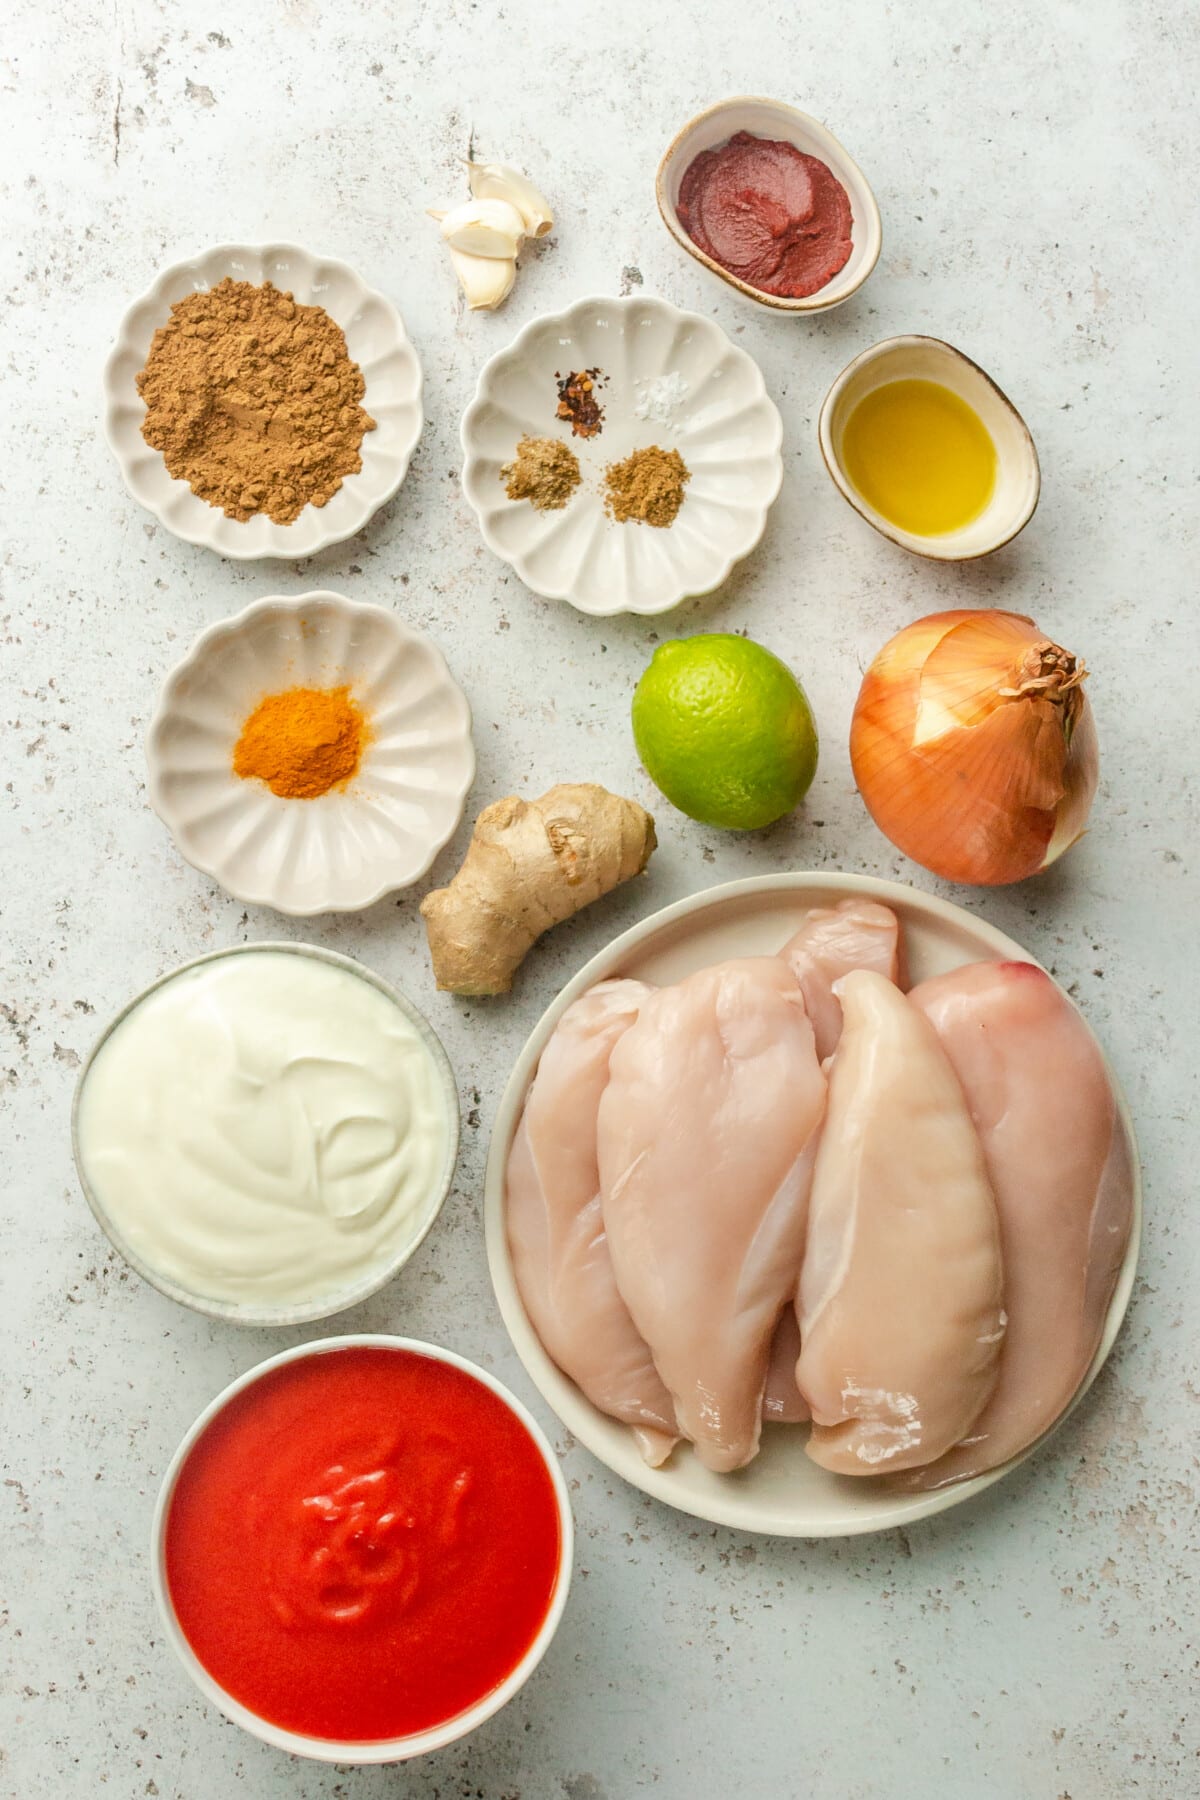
(302, 742)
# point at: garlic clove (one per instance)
(485, 280)
(484, 228)
(496, 181)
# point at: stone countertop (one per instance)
(1036, 182)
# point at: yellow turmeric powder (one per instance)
(302, 742)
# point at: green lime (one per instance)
(724, 729)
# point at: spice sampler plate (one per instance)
(782, 1492)
(666, 378)
(375, 339)
(350, 846)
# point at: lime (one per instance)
(724, 729)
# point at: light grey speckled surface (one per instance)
(1037, 187)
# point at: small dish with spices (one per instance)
(622, 455)
(767, 199)
(311, 754)
(274, 461)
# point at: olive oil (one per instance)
(921, 456)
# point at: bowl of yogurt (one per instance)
(267, 1133)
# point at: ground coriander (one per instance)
(646, 487)
(253, 400)
(545, 471)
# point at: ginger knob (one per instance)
(530, 865)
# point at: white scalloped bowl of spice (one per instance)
(375, 339)
(366, 836)
(663, 379)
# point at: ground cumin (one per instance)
(254, 401)
(646, 487)
(545, 471)
(302, 742)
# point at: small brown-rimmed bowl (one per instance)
(773, 119)
(1018, 475)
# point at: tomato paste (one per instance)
(362, 1544)
(773, 216)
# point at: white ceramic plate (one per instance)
(726, 429)
(773, 119)
(349, 847)
(782, 1492)
(376, 340)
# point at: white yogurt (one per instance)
(267, 1130)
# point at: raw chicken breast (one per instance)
(783, 1403)
(900, 1292)
(706, 1138)
(1059, 1163)
(555, 1230)
(854, 934)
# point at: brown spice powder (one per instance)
(545, 471)
(254, 401)
(647, 487)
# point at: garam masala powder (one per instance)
(646, 487)
(254, 401)
(302, 742)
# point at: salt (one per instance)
(660, 399)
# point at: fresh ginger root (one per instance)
(530, 865)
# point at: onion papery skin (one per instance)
(974, 747)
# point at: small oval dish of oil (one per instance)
(921, 403)
(375, 339)
(662, 378)
(775, 122)
(344, 849)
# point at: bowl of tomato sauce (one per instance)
(362, 1549)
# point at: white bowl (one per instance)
(773, 119)
(1018, 476)
(306, 1313)
(347, 848)
(388, 1750)
(376, 340)
(782, 1492)
(726, 429)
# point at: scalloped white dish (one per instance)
(725, 427)
(377, 342)
(349, 847)
(782, 1492)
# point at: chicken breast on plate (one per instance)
(854, 934)
(900, 1290)
(706, 1139)
(1059, 1162)
(556, 1233)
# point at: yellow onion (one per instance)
(973, 746)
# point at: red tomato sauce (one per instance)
(362, 1544)
(773, 216)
